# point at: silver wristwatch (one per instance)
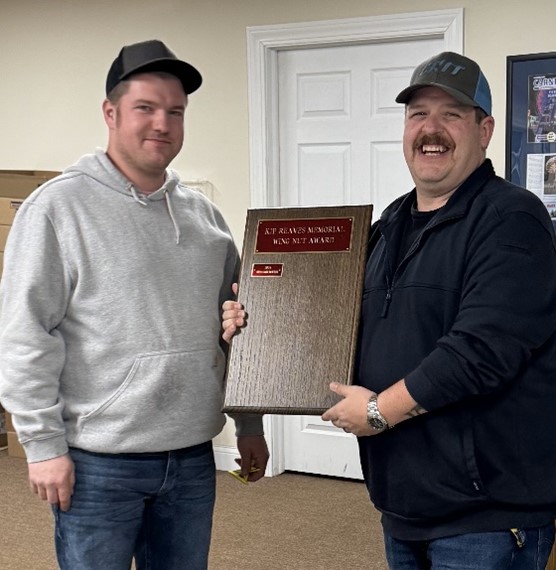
(374, 418)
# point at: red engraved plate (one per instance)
(304, 235)
(267, 270)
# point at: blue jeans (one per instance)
(517, 549)
(156, 507)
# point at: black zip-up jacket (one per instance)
(468, 318)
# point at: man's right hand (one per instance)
(53, 480)
(233, 317)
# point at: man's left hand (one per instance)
(254, 455)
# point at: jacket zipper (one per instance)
(390, 286)
(387, 299)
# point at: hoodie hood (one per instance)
(101, 169)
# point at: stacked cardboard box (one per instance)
(3, 434)
(15, 186)
(15, 449)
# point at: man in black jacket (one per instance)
(458, 346)
(455, 396)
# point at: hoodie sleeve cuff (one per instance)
(44, 449)
(248, 424)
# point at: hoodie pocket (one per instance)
(162, 390)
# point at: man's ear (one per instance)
(487, 129)
(109, 113)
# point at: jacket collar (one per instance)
(455, 207)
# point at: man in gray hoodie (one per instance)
(112, 367)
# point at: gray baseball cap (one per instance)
(151, 55)
(456, 74)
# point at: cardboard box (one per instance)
(15, 186)
(8, 421)
(3, 429)
(4, 230)
(3, 436)
(8, 209)
(15, 448)
(20, 183)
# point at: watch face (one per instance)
(377, 423)
(374, 418)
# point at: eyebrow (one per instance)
(154, 104)
(455, 105)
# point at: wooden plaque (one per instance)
(301, 283)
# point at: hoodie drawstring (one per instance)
(138, 199)
(136, 196)
(172, 217)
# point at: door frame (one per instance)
(263, 45)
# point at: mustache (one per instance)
(433, 139)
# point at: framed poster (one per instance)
(531, 125)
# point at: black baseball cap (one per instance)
(151, 55)
(456, 74)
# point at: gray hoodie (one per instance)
(110, 316)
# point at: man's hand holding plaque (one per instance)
(233, 316)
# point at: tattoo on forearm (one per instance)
(416, 411)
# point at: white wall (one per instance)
(54, 56)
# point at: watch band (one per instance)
(374, 418)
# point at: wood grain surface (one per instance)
(301, 330)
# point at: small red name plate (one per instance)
(267, 270)
(304, 235)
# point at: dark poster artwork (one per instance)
(541, 112)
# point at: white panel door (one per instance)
(341, 143)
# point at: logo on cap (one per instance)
(456, 74)
(442, 66)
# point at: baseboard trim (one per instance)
(224, 456)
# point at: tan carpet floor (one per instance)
(289, 522)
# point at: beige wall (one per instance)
(54, 56)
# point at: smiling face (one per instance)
(443, 144)
(146, 128)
